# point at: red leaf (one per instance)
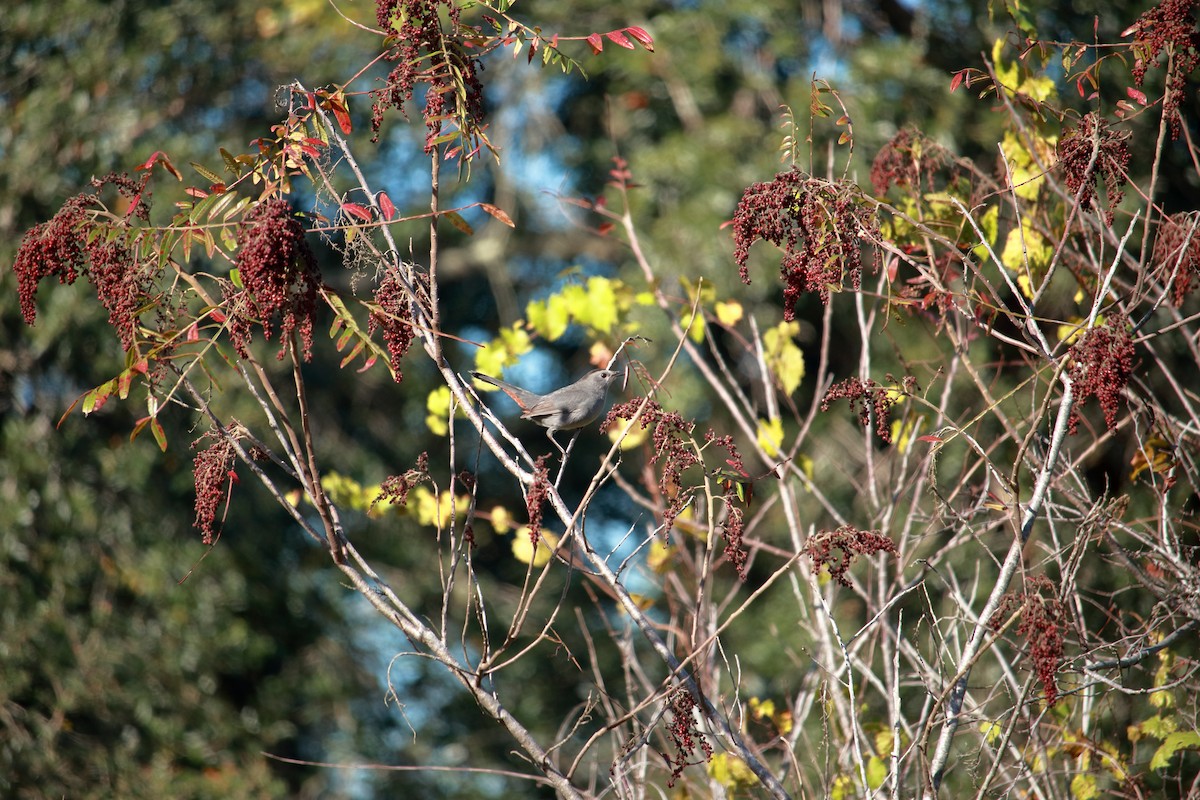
(498, 214)
(192, 191)
(646, 40)
(193, 333)
(616, 37)
(605, 228)
(356, 210)
(956, 80)
(155, 157)
(218, 316)
(1136, 96)
(343, 117)
(596, 42)
(385, 205)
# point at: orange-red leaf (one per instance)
(498, 214)
(618, 38)
(156, 157)
(596, 43)
(356, 210)
(646, 40)
(385, 205)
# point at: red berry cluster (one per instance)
(683, 734)
(64, 247)
(1102, 361)
(395, 488)
(734, 529)
(818, 225)
(280, 276)
(1168, 26)
(1043, 618)
(865, 396)
(536, 496)
(850, 543)
(395, 319)
(1177, 253)
(215, 478)
(908, 157)
(672, 449)
(1111, 161)
(452, 78)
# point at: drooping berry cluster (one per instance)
(1043, 618)
(395, 319)
(1177, 253)
(67, 246)
(734, 529)
(1111, 162)
(850, 543)
(1169, 26)
(683, 734)
(451, 74)
(1101, 363)
(215, 478)
(906, 159)
(536, 497)
(280, 276)
(395, 488)
(672, 447)
(865, 396)
(817, 224)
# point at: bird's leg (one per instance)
(563, 464)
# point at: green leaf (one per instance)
(207, 173)
(160, 435)
(1180, 740)
(457, 221)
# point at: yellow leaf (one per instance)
(842, 788)
(502, 521)
(729, 313)
(1083, 786)
(637, 434)
(438, 405)
(550, 318)
(660, 556)
(730, 771)
(991, 732)
(436, 510)
(523, 549)
(877, 772)
(783, 355)
(770, 436)
(1022, 243)
(903, 433)
(509, 344)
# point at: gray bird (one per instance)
(563, 409)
